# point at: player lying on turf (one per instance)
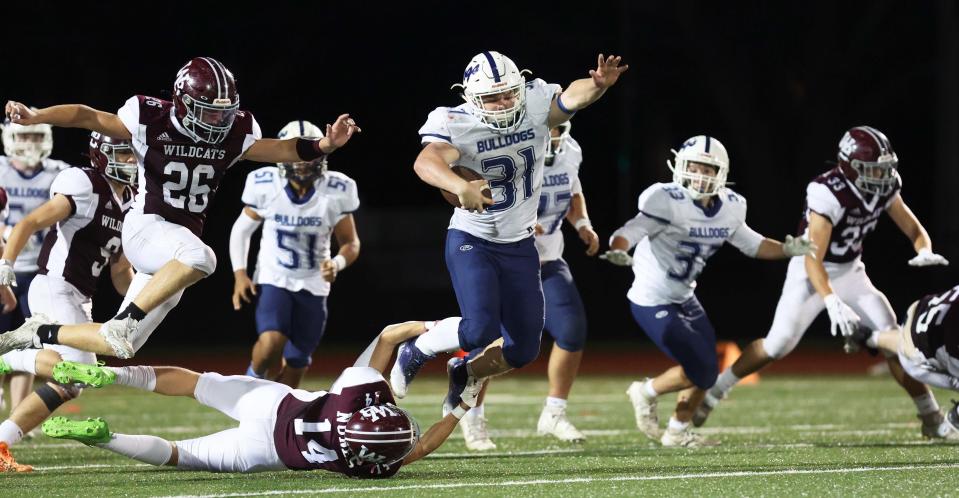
(354, 428)
(927, 342)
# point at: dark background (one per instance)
(777, 82)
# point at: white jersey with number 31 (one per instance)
(511, 162)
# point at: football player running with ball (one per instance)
(354, 428)
(301, 205)
(679, 226)
(183, 148)
(86, 209)
(500, 132)
(842, 206)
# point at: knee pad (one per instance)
(199, 257)
(54, 395)
(777, 348)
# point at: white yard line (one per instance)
(578, 480)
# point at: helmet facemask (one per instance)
(876, 177)
(118, 169)
(28, 144)
(700, 151)
(209, 123)
(303, 172)
(489, 78)
(557, 144)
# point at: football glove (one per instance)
(798, 246)
(617, 257)
(928, 258)
(844, 320)
(7, 275)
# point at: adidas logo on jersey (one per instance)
(109, 205)
(164, 137)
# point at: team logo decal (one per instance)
(466, 247)
(661, 314)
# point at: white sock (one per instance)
(443, 337)
(873, 340)
(23, 361)
(147, 449)
(555, 402)
(926, 404)
(10, 432)
(140, 377)
(676, 425)
(476, 412)
(648, 390)
(726, 380)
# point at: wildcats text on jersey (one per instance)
(111, 223)
(194, 151)
(501, 141)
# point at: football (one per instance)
(468, 175)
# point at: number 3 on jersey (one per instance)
(506, 166)
(185, 183)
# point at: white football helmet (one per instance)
(17, 145)
(304, 171)
(492, 73)
(557, 145)
(700, 149)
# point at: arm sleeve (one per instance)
(240, 235)
(76, 186)
(746, 240)
(257, 187)
(821, 200)
(130, 114)
(635, 229)
(436, 128)
(577, 187)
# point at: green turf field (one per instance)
(791, 436)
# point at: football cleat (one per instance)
(553, 421)
(685, 439)
(409, 361)
(90, 431)
(936, 426)
(71, 372)
(475, 433)
(705, 408)
(4, 369)
(24, 336)
(8, 463)
(458, 391)
(953, 416)
(117, 334)
(645, 410)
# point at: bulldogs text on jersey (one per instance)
(560, 183)
(297, 231)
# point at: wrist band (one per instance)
(582, 222)
(308, 150)
(458, 412)
(339, 262)
(559, 103)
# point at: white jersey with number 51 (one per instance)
(511, 162)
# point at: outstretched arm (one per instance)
(69, 116)
(377, 355)
(291, 150)
(910, 226)
(434, 437)
(581, 93)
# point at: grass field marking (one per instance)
(577, 480)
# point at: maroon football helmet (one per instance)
(867, 159)
(382, 434)
(103, 157)
(3, 200)
(205, 99)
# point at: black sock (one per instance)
(48, 334)
(459, 373)
(133, 311)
